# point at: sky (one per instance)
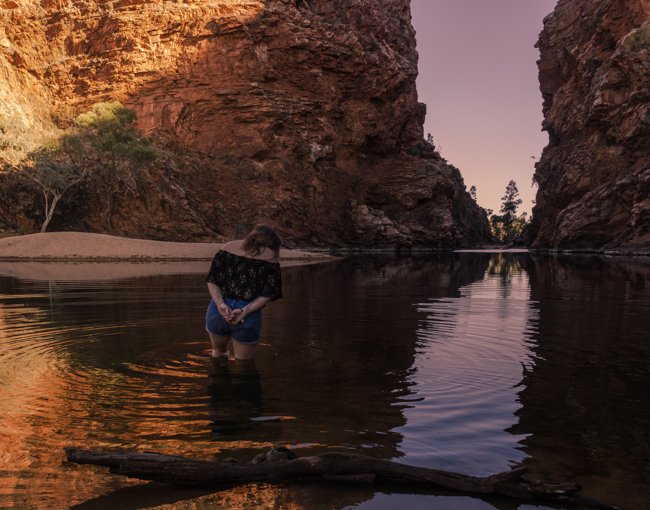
(478, 78)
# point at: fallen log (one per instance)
(280, 465)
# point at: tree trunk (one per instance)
(49, 210)
(281, 466)
(109, 211)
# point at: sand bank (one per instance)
(84, 256)
(95, 247)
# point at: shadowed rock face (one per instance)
(302, 113)
(594, 176)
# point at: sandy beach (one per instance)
(86, 256)
(87, 246)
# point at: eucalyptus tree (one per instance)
(56, 169)
(108, 131)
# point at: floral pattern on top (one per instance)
(245, 278)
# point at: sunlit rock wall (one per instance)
(302, 113)
(594, 176)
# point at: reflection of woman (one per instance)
(243, 278)
(235, 393)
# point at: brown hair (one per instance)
(262, 236)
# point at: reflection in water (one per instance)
(236, 403)
(471, 349)
(416, 358)
(586, 405)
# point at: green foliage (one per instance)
(55, 169)
(638, 39)
(51, 170)
(506, 230)
(105, 116)
(19, 136)
(511, 201)
(8, 129)
(109, 129)
(108, 133)
(507, 226)
(13, 138)
(414, 151)
(103, 145)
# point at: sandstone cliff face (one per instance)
(594, 176)
(302, 113)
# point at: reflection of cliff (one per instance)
(594, 176)
(307, 115)
(36, 413)
(585, 403)
(352, 327)
(336, 375)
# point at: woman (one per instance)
(243, 278)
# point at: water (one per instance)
(472, 362)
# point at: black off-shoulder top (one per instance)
(245, 278)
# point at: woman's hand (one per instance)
(225, 311)
(236, 316)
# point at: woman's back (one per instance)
(237, 248)
(244, 276)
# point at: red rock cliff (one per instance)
(594, 176)
(302, 113)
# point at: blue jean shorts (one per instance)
(248, 331)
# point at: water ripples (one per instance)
(472, 353)
(427, 361)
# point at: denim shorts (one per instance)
(248, 331)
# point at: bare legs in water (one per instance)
(220, 347)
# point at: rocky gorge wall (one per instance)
(301, 113)
(594, 176)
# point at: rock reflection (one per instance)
(387, 356)
(585, 404)
(344, 345)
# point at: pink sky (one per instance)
(478, 78)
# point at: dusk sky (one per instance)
(478, 78)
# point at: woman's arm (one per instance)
(256, 304)
(215, 293)
(217, 297)
(238, 314)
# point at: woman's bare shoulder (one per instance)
(237, 248)
(234, 247)
(269, 255)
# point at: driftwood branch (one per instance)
(281, 466)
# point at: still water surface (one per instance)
(471, 362)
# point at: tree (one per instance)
(472, 192)
(511, 201)
(507, 226)
(108, 130)
(56, 169)
(103, 139)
